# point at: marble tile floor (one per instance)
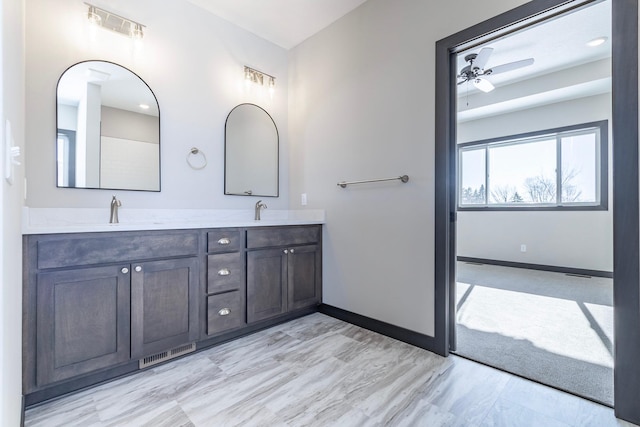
(320, 371)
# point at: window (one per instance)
(562, 168)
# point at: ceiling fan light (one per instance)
(483, 85)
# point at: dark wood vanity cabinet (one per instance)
(97, 300)
(100, 305)
(93, 318)
(284, 271)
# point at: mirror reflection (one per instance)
(251, 152)
(108, 129)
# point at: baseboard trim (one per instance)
(551, 268)
(401, 334)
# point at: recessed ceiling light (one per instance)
(596, 42)
(144, 106)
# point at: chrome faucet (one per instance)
(259, 206)
(115, 204)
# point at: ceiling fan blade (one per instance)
(482, 58)
(510, 66)
(483, 84)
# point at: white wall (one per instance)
(577, 239)
(192, 60)
(12, 74)
(362, 105)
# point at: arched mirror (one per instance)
(108, 129)
(251, 153)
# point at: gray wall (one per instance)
(125, 124)
(193, 62)
(578, 239)
(12, 87)
(362, 105)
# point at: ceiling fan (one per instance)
(475, 71)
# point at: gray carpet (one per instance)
(549, 327)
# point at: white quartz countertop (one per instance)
(88, 220)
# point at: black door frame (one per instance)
(626, 211)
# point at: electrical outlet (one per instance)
(523, 248)
(303, 199)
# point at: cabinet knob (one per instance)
(124, 270)
(224, 241)
(224, 272)
(224, 311)
(286, 251)
(291, 251)
(138, 268)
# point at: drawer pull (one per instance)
(292, 250)
(124, 270)
(138, 268)
(224, 311)
(224, 241)
(286, 251)
(224, 272)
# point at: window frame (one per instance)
(602, 172)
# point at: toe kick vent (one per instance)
(166, 355)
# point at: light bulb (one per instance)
(93, 17)
(272, 86)
(136, 32)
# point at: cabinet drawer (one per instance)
(104, 248)
(224, 272)
(225, 311)
(224, 240)
(282, 236)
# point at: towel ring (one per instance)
(194, 152)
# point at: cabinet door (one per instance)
(266, 284)
(164, 305)
(304, 277)
(82, 321)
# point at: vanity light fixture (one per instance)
(259, 78)
(101, 18)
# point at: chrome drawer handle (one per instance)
(224, 241)
(292, 251)
(224, 272)
(138, 268)
(224, 311)
(124, 270)
(286, 251)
